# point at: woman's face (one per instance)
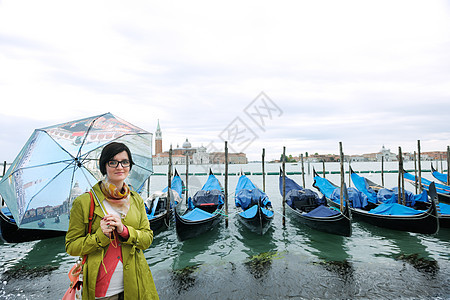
(118, 174)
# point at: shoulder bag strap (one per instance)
(91, 217)
(91, 212)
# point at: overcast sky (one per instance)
(260, 74)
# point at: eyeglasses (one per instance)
(115, 163)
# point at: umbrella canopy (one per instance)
(59, 163)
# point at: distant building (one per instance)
(233, 158)
(434, 155)
(158, 140)
(358, 158)
(196, 155)
(386, 154)
(370, 156)
(324, 158)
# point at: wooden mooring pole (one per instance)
(283, 165)
(419, 166)
(263, 172)
(148, 186)
(382, 170)
(148, 179)
(415, 171)
(323, 168)
(226, 184)
(401, 178)
(448, 165)
(4, 172)
(342, 177)
(303, 171)
(169, 184)
(186, 188)
(349, 174)
(399, 196)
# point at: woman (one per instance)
(115, 267)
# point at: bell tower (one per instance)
(158, 140)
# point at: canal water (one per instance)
(288, 262)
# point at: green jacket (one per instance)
(138, 280)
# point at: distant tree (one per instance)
(287, 158)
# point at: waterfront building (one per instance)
(158, 140)
(434, 155)
(196, 155)
(386, 154)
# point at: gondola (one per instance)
(443, 205)
(392, 216)
(442, 190)
(306, 206)
(204, 211)
(439, 176)
(156, 204)
(254, 207)
(13, 234)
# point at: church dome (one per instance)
(186, 144)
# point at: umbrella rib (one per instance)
(58, 144)
(86, 135)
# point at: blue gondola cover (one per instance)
(322, 211)
(394, 209)
(247, 194)
(445, 208)
(440, 188)
(212, 184)
(176, 185)
(197, 214)
(355, 197)
(252, 211)
(211, 196)
(247, 198)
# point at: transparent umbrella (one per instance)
(58, 163)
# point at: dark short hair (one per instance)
(111, 150)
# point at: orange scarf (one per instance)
(119, 200)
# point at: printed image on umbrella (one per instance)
(59, 163)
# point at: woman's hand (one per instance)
(114, 222)
(106, 227)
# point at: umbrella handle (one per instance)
(98, 201)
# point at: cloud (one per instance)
(364, 73)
